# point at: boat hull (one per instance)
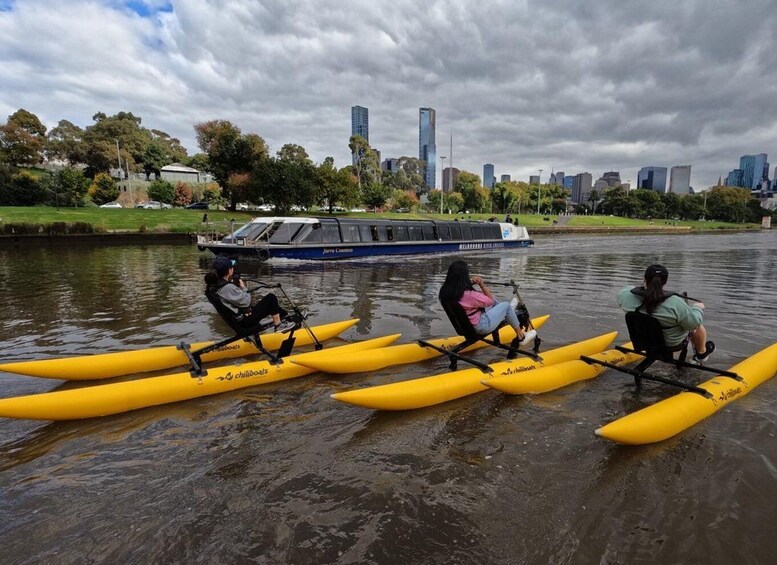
(669, 417)
(558, 376)
(351, 251)
(114, 398)
(401, 354)
(108, 365)
(436, 389)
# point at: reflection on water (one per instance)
(282, 473)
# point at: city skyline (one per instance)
(625, 85)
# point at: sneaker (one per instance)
(284, 326)
(700, 358)
(528, 337)
(514, 302)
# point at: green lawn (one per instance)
(183, 221)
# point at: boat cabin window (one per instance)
(455, 231)
(466, 232)
(400, 233)
(416, 233)
(285, 232)
(365, 233)
(443, 232)
(250, 231)
(374, 234)
(390, 233)
(477, 232)
(430, 233)
(350, 233)
(330, 233)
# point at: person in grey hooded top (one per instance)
(234, 296)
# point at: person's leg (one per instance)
(499, 312)
(267, 306)
(699, 340)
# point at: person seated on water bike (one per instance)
(484, 312)
(231, 290)
(678, 319)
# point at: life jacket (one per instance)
(641, 291)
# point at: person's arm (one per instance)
(689, 317)
(235, 296)
(479, 281)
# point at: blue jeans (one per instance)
(498, 313)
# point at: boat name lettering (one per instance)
(328, 250)
(730, 393)
(618, 360)
(515, 370)
(467, 246)
(228, 348)
(242, 375)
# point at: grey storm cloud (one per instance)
(575, 86)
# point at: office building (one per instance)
(427, 148)
(568, 180)
(680, 179)
(581, 187)
(652, 178)
(504, 178)
(360, 125)
(734, 178)
(534, 179)
(391, 165)
(557, 178)
(755, 169)
(488, 175)
(448, 183)
(612, 178)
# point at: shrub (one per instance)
(183, 194)
(161, 190)
(103, 189)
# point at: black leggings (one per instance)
(267, 306)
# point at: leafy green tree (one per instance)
(286, 180)
(375, 195)
(366, 167)
(175, 152)
(71, 186)
(672, 204)
(18, 146)
(691, 207)
(162, 191)
(28, 121)
(103, 189)
(468, 185)
(415, 172)
(20, 188)
(336, 186)
(230, 152)
(197, 161)
(404, 199)
(101, 137)
(154, 158)
(594, 199)
(453, 202)
(66, 142)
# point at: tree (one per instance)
(103, 189)
(229, 152)
(468, 185)
(162, 191)
(375, 194)
(66, 142)
(284, 181)
(28, 121)
(71, 185)
(336, 187)
(154, 158)
(18, 146)
(20, 188)
(404, 199)
(183, 194)
(366, 166)
(102, 136)
(594, 199)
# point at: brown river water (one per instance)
(281, 473)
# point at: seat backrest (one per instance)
(459, 320)
(226, 314)
(646, 334)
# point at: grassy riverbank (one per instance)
(188, 221)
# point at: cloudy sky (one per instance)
(526, 85)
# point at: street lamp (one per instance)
(442, 179)
(539, 191)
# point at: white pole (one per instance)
(442, 178)
(118, 155)
(539, 189)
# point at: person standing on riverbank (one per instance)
(484, 312)
(678, 319)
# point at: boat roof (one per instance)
(362, 221)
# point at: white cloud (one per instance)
(524, 85)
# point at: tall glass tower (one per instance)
(652, 178)
(755, 168)
(488, 175)
(360, 125)
(427, 149)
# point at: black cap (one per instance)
(222, 264)
(656, 271)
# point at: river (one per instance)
(284, 474)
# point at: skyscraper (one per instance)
(448, 182)
(504, 178)
(427, 148)
(755, 168)
(581, 187)
(734, 178)
(360, 125)
(680, 179)
(488, 176)
(652, 178)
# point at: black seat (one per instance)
(647, 336)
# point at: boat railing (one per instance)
(214, 231)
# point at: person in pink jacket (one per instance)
(484, 312)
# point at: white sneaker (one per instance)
(528, 337)
(284, 326)
(514, 302)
